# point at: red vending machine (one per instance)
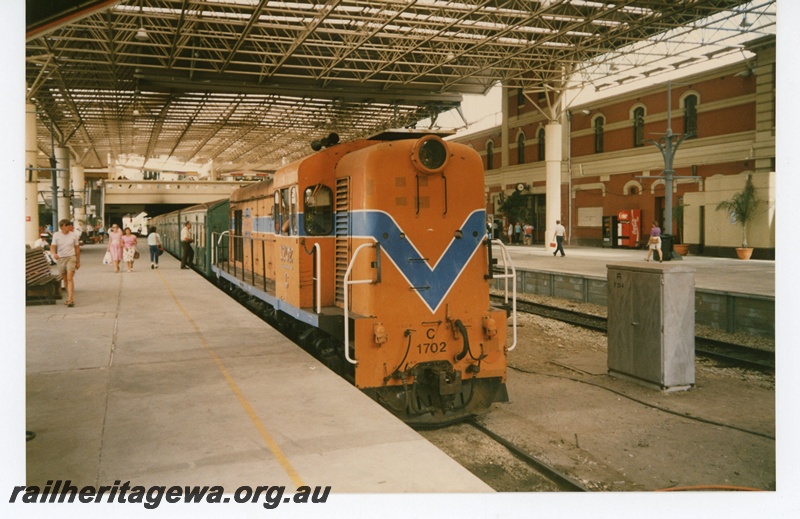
(629, 228)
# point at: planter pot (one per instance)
(681, 248)
(744, 253)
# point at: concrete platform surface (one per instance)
(158, 378)
(755, 277)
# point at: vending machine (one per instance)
(629, 228)
(610, 231)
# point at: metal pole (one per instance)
(53, 180)
(668, 148)
(668, 158)
(569, 181)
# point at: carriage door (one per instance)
(237, 233)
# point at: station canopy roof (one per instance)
(250, 83)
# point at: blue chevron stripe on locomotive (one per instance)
(432, 283)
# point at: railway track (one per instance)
(730, 353)
(559, 479)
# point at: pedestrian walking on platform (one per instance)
(66, 251)
(154, 241)
(510, 233)
(559, 235)
(187, 253)
(654, 243)
(115, 245)
(129, 252)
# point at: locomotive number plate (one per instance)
(432, 347)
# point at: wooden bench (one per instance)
(42, 287)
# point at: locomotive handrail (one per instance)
(505, 275)
(347, 284)
(316, 256)
(318, 275)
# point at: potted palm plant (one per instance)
(743, 206)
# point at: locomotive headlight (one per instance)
(429, 154)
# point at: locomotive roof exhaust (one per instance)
(325, 142)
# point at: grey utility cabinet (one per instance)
(651, 324)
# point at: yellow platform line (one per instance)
(259, 425)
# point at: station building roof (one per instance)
(249, 84)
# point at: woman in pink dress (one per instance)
(128, 248)
(115, 245)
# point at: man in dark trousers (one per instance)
(559, 235)
(187, 253)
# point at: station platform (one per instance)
(158, 378)
(753, 277)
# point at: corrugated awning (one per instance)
(249, 83)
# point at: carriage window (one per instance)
(318, 210)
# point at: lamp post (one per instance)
(668, 146)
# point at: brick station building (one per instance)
(610, 170)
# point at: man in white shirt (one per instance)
(559, 235)
(187, 253)
(66, 251)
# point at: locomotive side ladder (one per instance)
(342, 234)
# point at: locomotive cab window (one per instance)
(285, 212)
(294, 228)
(276, 212)
(285, 219)
(318, 210)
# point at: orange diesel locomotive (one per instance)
(378, 250)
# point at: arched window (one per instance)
(638, 127)
(690, 116)
(490, 155)
(598, 134)
(540, 144)
(521, 148)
